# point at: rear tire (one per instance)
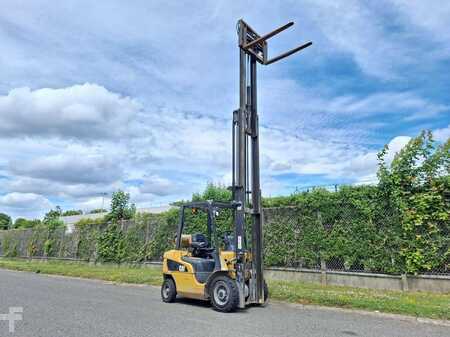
(224, 294)
(168, 290)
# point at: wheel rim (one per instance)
(166, 291)
(221, 293)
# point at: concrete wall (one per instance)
(291, 274)
(431, 283)
(440, 284)
(361, 280)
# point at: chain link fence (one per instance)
(341, 236)
(135, 239)
(345, 237)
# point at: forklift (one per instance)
(228, 271)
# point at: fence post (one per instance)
(93, 257)
(147, 232)
(29, 244)
(405, 286)
(76, 242)
(323, 272)
(61, 243)
(47, 236)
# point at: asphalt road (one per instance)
(67, 307)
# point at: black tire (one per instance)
(224, 294)
(168, 290)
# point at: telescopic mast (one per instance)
(246, 167)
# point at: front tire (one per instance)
(224, 294)
(168, 290)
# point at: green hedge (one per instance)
(346, 230)
(351, 229)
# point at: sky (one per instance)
(97, 96)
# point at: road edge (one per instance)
(405, 318)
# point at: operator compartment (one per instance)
(200, 255)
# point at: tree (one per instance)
(98, 210)
(121, 209)
(52, 214)
(72, 212)
(25, 223)
(417, 183)
(5, 221)
(196, 221)
(52, 219)
(213, 192)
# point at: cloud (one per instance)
(63, 171)
(60, 189)
(358, 29)
(183, 142)
(408, 104)
(443, 134)
(312, 156)
(85, 112)
(65, 168)
(280, 166)
(362, 167)
(24, 201)
(93, 203)
(154, 116)
(158, 186)
(351, 118)
(174, 153)
(429, 18)
(395, 145)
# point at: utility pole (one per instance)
(104, 194)
(245, 160)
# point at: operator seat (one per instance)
(201, 260)
(199, 241)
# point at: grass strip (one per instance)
(419, 304)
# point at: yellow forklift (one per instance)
(228, 271)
